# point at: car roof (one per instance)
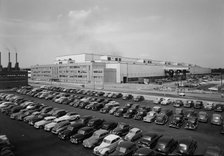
(126, 144)
(112, 137)
(101, 131)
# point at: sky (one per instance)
(190, 31)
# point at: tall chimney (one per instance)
(9, 63)
(16, 64)
(0, 61)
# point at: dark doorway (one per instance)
(124, 79)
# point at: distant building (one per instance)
(12, 77)
(94, 68)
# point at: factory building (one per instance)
(94, 68)
(12, 77)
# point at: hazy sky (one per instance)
(190, 31)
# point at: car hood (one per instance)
(50, 125)
(78, 136)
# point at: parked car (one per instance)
(125, 148)
(141, 113)
(107, 108)
(198, 104)
(157, 100)
(149, 140)
(127, 97)
(216, 119)
(95, 123)
(95, 139)
(150, 117)
(214, 151)
(166, 145)
(178, 103)
(191, 123)
(84, 119)
(156, 109)
(189, 104)
(130, 113)
(219, 108)
(133, 134)
(98, 106)
(113, 110)
(186, 146)
(177, 121)
(81, 135)
(208, 106)
(42, 123)
(161, 119)
(166, 101)
(202, 116)
(108, 125)
(70, 130)
(121, 129)
(108, 145)
(60, 127)
(144, 152)
(139, 98)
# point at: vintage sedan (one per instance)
(219, 108)
(95, 123)
(139, 98)
(42, 123)
(70, 130)
(81, 135)
(125, 148)
(130, 113)
(108, 145)
(121, 129)
(109, 125)
(150, 117)
(202, 116)
(188, 104)
(166, 145)
(177, 121)
(60, 127)
(192, 123)
(216, 119)
(161, 119)
(208, 106)
(95, 139)
(186, 146)
(178, 103)
(149, 140)
(133, 134)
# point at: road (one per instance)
(32, 142)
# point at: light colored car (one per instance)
(42, 123)
(114, 109)
(208, 105)
(108, 145)
(95, 138)
(5, 103)
(216, 119)
(69, 116)
(156, 109)
(157, 100)
(166, 101)
(150, 117)
(133, 134)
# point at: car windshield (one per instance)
(183, 147)
(81, 132)
(148, 138)
(122, 150)
(96, 134)
(70, 128)
(106, 141)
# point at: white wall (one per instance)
(199, 70)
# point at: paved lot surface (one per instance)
(32, 142)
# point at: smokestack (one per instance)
(9, 63)
(0, 61)
(16, 64)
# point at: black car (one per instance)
(144, 152)
(141, 113)
(71, 130)
(125, 148)
(178, 103)
(166, 145)
(219, 108)
(81, 135)
(98, 106)
(186, 146)
(84, 119)
(189, 104)
(127, 97)
(107, 125)
(198, 105)
(149, 140)
(130, 113)
(95, 123)
(76, 104)
(139, 98)
(192, 123)
(83, 105)
(106, 108)
(120, 111)
(177, 121)
(161, 119)
(121, 129)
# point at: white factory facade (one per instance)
(95, 68)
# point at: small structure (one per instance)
(12, 77)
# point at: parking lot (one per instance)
(29, 141)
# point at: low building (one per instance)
(94, 68)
